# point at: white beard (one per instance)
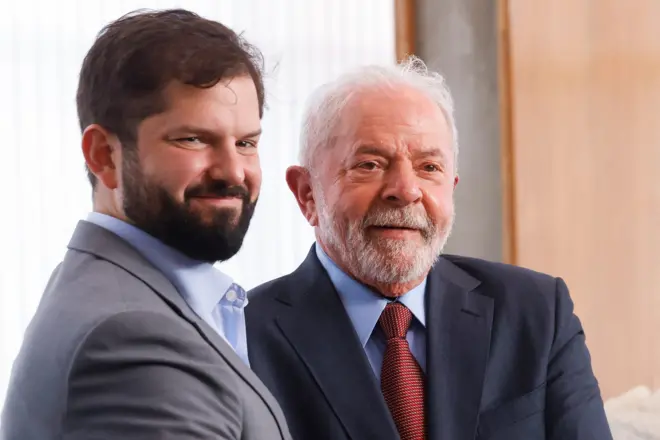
(380, 260)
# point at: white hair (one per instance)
(326, 104)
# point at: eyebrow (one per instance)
(376, 151)
(433, 151)
(370, 149)
(209, 133)
(252, 134)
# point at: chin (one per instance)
(229, 216)
(395, 248)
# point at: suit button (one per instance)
(231, 295)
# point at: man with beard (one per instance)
(138, 336)
(379, 336)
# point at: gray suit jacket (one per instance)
(114, 352)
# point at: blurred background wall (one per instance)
(558, 109)
(458, 38)
(583, 104)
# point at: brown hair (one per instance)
(135, 57)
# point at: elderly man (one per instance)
(379, 336)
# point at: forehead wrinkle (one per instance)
(403, 147)
(398, 120)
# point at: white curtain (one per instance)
(44, 188)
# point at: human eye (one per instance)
(368, 165)
(246, 144)
(431, 167)
(190, 142)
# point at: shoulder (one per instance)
(308, 276)
(140, 325)
(152, 360)
(513, 288)
(499, 273)
(531, 309)
(147, 335)
(270, 288)
(87, 288)
(264, 298)
(147, 341)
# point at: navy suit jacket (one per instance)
(506, 358)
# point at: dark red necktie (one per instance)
(402, 379)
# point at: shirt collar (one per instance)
(200, 284)
(363, 305)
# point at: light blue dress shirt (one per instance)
(364, 307)
(211, 294)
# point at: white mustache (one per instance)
(398, 218)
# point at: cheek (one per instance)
(253, 176)
(354, 202)
(440, 203)
(174, 170)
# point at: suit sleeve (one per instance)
(142, 375)
(574, 407)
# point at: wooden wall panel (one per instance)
(583, 103)
(404, 20)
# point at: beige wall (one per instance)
(583, 107)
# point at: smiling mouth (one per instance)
(392, 227)
(399, 228)
(214, 197)
(218, 200)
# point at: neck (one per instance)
(104, 203)
(393, 290)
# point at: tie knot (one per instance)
(395, 320)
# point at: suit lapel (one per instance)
(98, 241)
(322, 334)
(459, 319)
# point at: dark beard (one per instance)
(152, 209)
